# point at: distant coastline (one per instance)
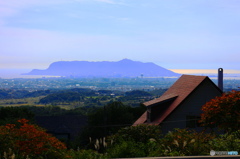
(204, 71)
(212, 73)
(16, 73)
(230, 74)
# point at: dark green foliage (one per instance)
(134, 141)
(127, 149)
(65, 97)
(38, 93)
(46, 110)
(104, 91)
(88, 96)
(146, 140)
(135, 97)
(53, 110)
(108, 120)
(226, 142)
(12, 114)
(137, 111)
(3, 94)
(158, 92)
(187, 142)
(86, 154)
(22, 93)
(17, 94)
(112, 117)
(76, 97)
(81, 111)
(137, 93)
(140, 133)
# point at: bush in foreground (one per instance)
(27, 141)
(134, 141)
(184, 142)
(30, 140)
(223, 112)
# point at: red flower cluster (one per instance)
(29, 139)
(223, 112)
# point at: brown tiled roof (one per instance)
(181, 89)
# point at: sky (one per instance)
(174, 34)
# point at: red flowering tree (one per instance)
(222, 112)
(31, 140)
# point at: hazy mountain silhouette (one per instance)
(123, 68)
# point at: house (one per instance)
(66, 127)
(180, 106)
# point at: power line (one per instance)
(121, 125)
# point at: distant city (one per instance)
(122, 84)
(228, 74)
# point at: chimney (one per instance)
(220, 78)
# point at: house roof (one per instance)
(178, 92)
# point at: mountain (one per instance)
(123, 68)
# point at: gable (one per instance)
(190, 108)
(154, 110)
(178, 93)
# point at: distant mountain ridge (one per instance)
(122, 68)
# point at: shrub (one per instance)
(10, 115)
(85, 154)
(127, 149)
(31, 140)
(181, 142)
(223, 112)
(140, 133)
(226, 142)
(134, 141)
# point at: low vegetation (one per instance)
(30, 141)
(109, 134)
(75, 98)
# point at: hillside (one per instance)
(123, 68)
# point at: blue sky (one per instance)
(175, 34)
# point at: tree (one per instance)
(9, 115)
(137, 93)
(108, 120)
(223, 112)
(32, 140)
(134, 141)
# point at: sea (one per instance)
(212, 73)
